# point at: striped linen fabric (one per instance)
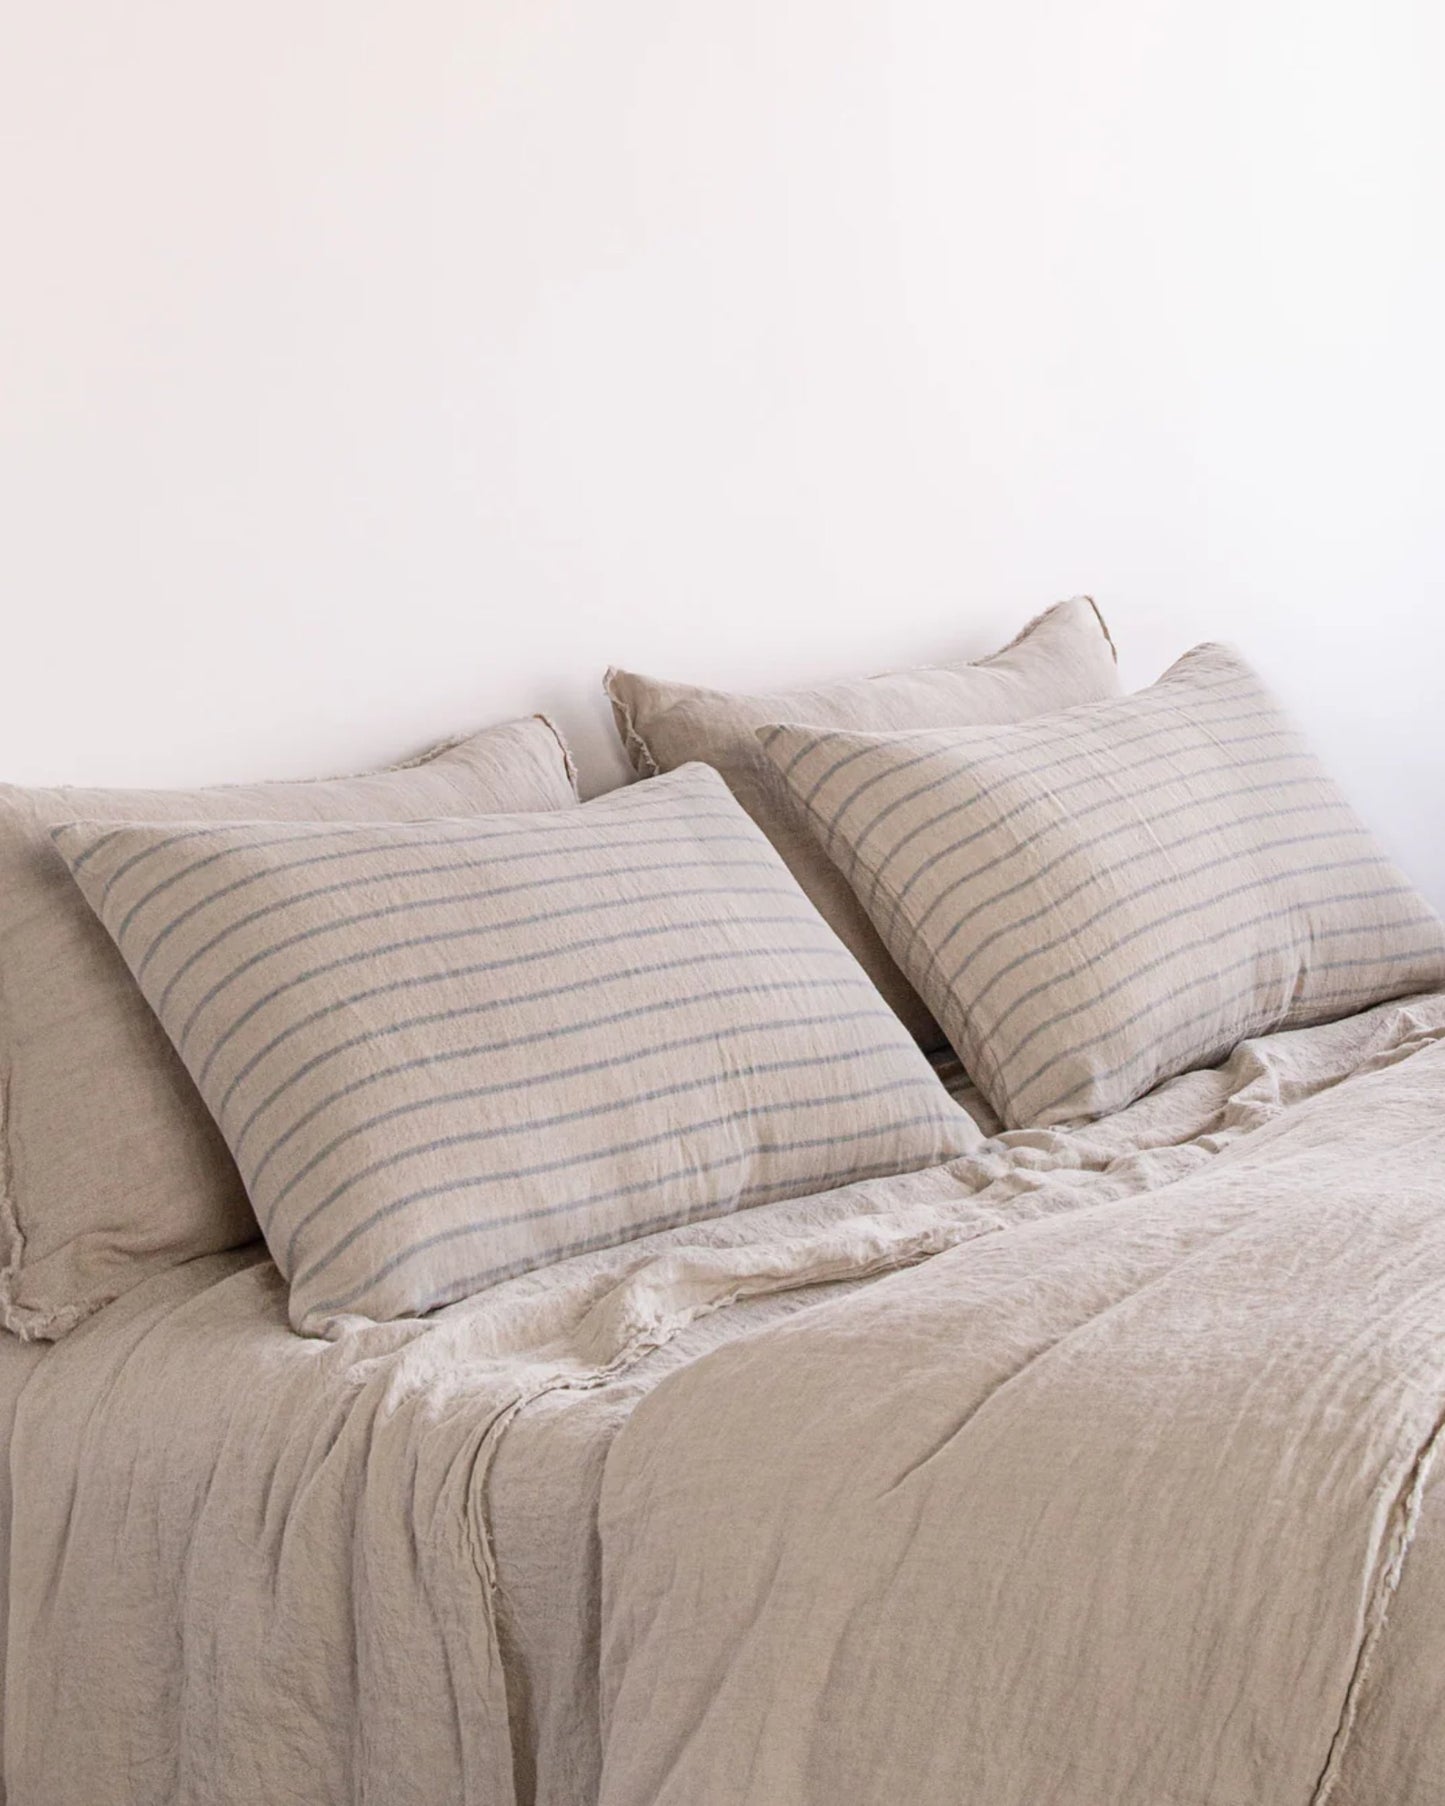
(111, 1169)
(450, 1052)
(1062, 658)
(1094, 901)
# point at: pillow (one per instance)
(446, 1054)
(1062, 658)
(1097, 900)
(110, 1167)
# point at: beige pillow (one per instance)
(1096, 900)
(1062, 658)
(448, 1053)
(110, 1167)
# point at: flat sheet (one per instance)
(248, 1566)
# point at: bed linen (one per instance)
(1095, 900)
(17, 1362)
(369, 1569)
(110, 1165)
(447, 1052)
(1062, 657)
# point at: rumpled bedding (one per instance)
(1094, 1466)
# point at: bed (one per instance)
(444, 1561)
(901, 1257)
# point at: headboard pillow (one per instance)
(1063, 657)
(110, 1166)
(448, 1053)
(1096, 900)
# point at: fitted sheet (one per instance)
(369, 1569)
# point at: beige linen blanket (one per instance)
(1106, 1502)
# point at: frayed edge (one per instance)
(569, 764)
(645, 765)
(624, 1328)
(429, 754)
(1031, 626)
(12, 1237)
(1103, 625)
(1407, 1516)
(639, 753)
(30, 1322)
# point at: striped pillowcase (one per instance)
(448, 1052)
(1061, 658)
(1097, 900)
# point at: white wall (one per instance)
(373, 367)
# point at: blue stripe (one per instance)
(635, 799)
(809, 1185)
(802, 917)
(547, 1036)
(586, 1113)
(412, 907)
(982, 793)
(405, 906)
(1081, 848)
(1181, 1031)
(1209, 746)
(294, 899)
(1137, 972)
(810, 795)
(1006, 739)
(515, 1000)
(72, 830)
(566, 1207)
(1351, 829)
(1251, 886)
(292, 831)
(961, 743)
(366, 846)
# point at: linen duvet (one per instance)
(1095, 1466)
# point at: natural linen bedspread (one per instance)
(1105, 1504)
(1109, 1509)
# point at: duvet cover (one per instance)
(1096, 1466)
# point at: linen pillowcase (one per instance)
(110, 1166)
(448, 1053)
(1098, 900)
(1062, 658)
